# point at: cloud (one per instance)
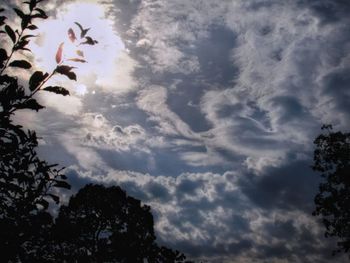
(215, 217)
(209, 117)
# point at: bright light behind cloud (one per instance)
(101, 58)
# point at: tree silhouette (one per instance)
(99, 224)
(26, 181)
(332, 160)
(106, 225)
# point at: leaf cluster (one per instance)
(332, 160)
(99, 224)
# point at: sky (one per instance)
(206, 111)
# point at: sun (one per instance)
(93, 62)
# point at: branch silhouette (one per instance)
(332, 160)
(99, 224)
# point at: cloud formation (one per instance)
(209, 116)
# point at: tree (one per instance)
(332, 160)
(102, 224)
(99, 224)
(27, 182)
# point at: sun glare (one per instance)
(100, 58)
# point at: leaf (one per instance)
(11, 33)
(3, 56)
(66, 70)
(83, 31)
(80, 53)
(55, 198)
(57, 90)
(25, 21)
(36, 79)
(21, 44)
(43, 203)
(59, 53)
(41, 13)
(90, 41)
(32, 27)
(31, 4)
(19, 12)
(2, 20)
(20, 64)
(30, 104)
(71, 35)
(77, 60)
(62, 184)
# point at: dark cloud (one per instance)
(291, 187)
(237, 94)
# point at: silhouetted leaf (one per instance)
(19, 12)
(31, 3)
(32, 27)
(30, 104)
(59, 53)
(62, 184)
(55, 198)
(11, 33)
(44, 203)
(90, 41)
(71, 35)
(41, 13)
(36, 79)
(66, 70)
(2, 20)
(57, 90)
(83, 31)
(20, 64)
(3, 56)
(25, 21)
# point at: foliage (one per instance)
(332, 160)
(99, 224)
(26, 182)
(106, 225)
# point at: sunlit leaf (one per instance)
(57, 90)
(71, 35)
(80, 53)
(66, 70)
(11, 33)
(36, 79)
(77, 60)
(30, 104)
(20, 64)
(59, 53)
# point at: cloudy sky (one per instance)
(205, 110)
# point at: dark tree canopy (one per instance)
(332, 160)
(102, 224)
(99, 224)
